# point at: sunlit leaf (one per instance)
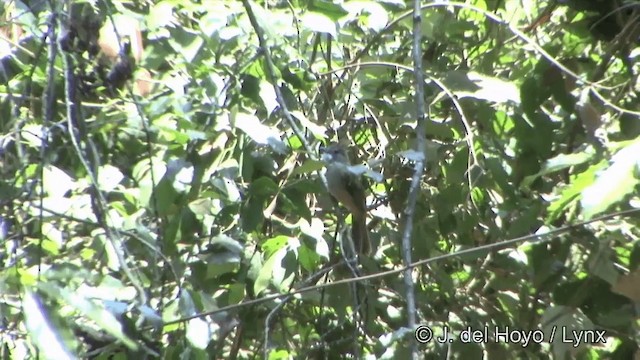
(274, 271)
(186, 43)
(42, 334)
(483, 87)
(320, 23)
(260, 133)
(308, 166)
(56, 182)
(375, 16)
(109, 177)
(567, 319)
(198, 333)
(557, 163)
(268, 96)
(317, 130)
(613, 183)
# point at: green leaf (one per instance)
(256, 70)
(142, 174)
(315, 230)
(269, 22)
(557, 319)
(330, 9)
(263, 280)
(499, 174)
(165, 198)
(309, 259)
(439, 130)
(271, 246)
(222, 256)
(529, 96)
(601, 265)
(279, 355)
(557, 163)
(186, 42)
(252, 214)
(186, 304)
(275, 270)
(308, 166)
(227, 188)
(613, 183)
(263, 187)
(570, 193)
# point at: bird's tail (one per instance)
(360, 235)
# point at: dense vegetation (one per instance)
(162, 196)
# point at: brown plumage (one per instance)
(347, 188)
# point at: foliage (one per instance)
(156, 201)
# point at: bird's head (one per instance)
(334, 153)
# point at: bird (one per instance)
(346, 187)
